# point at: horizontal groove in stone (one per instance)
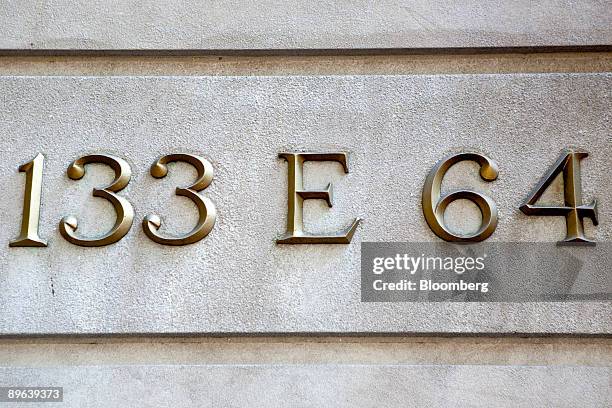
(271, 52)
(302, 350)
(118, 65)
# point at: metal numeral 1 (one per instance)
(28, 237)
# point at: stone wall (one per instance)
(236, 319)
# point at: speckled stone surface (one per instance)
(315, 24)
(322, 385)
(238, 280)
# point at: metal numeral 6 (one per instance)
(434, 204)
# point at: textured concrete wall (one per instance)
(315, 371)
(326, 385)
(266, 24)
(239, 280)
(394, 112)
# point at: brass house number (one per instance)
(434, 203)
